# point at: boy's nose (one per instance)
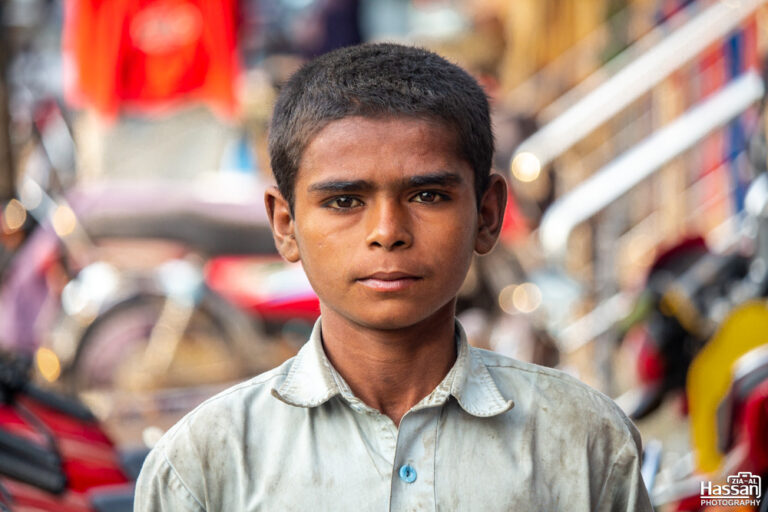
(388, 226)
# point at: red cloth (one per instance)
(144, 54)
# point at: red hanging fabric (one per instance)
(138, 55)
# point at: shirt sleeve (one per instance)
(160, 488)
(624, 489)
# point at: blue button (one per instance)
(407, 474)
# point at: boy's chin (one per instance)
(397, 319)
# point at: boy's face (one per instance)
(385, 220)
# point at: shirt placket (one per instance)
(413, 472)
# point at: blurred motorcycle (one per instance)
(707, 326)
(54, 455)
(687, 290)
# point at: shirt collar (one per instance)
(312, 381)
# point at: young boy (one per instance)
(382, 156)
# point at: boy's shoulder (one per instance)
(555, 394)
(224, 417)
(200, 448)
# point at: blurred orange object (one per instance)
(141, 55)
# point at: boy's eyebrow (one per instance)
(440, 179)
(341, 186)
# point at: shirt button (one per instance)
(407, 474)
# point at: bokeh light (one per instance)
(64, 221)
(14, 216)
(526, 167)
(48, 364)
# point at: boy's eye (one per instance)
(343, 202)
(428, 196)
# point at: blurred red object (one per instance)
(650, 365)
(515, 227)
(89, 461)
(274, 290)
(141, 55)
(756, 427)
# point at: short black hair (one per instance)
(379, 80)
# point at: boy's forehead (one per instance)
(346, 147)
(394, 123)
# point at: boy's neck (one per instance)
(391, 370)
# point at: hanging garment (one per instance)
(139, 55)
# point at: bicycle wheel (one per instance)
(119, 349)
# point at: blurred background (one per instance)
(138, 275)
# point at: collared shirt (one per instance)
(496, 434)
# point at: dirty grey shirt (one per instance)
(496, 434)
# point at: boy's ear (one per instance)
(491, 214)
(281, 222)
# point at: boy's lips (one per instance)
(388, 281)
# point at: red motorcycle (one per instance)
(54, 455)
